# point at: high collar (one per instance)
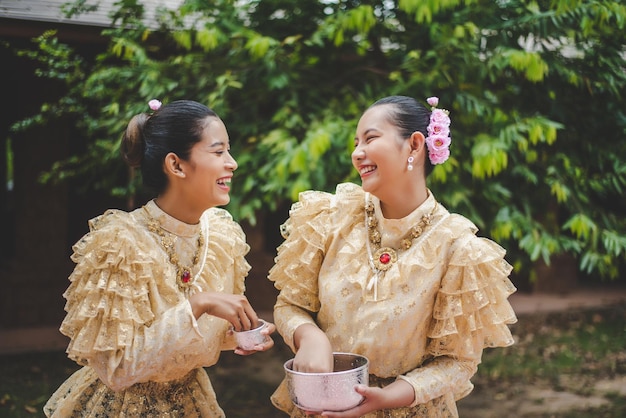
(171, 224)
(393, 230)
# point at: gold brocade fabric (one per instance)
(132, 328)
(425, 320)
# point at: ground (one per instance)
(569, 361)
(557, 389)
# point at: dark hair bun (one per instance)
(132, 145)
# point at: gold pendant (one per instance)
(184, 278)
(384, 257)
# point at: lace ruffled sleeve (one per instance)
(228, 242)
(108, 293)
(312, 223)
(471, 312)
(298, 261)
(117, 320)
(471, 308)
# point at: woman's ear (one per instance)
(172, 165)
(417, 142)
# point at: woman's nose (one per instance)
(231, 163)
(358, 153)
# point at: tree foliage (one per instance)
(535, 90)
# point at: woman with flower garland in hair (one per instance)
(156, 292)
(386, 272)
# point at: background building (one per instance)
(39, 223)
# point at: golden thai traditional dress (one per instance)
(425, 319)
(130, 324)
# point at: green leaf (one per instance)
(580, 225)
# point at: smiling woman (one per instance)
(183, 152)
(155, 291)
(384, 271)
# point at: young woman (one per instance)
(155, 291)
(385, 271)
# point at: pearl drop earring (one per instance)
(410, 166)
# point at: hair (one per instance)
(175, 127)
(409, 116)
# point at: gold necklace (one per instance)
(184, 277)
(383, 258)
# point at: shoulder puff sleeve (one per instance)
(110, 318)
(108, 292)
(300, 256)
(228, 242)
(471, 312)
(471, 308)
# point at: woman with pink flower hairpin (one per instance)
(383, 270)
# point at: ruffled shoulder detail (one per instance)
(472, 310)
(227, 242)
(306, 234)
(108, 292)
(222, 222)
(312, 206)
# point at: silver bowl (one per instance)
(247, 340)
(334, 391)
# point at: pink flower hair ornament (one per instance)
(438, 139)
(154, 104)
